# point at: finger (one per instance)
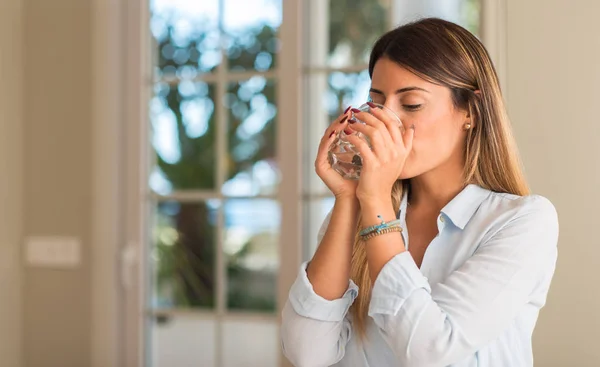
(392, 124)
(329, 136)
(377, 124)
(363, 149)
(337, 125)
(408, 138)
(323, 150)
(343, 116)
(377, 139)
(341, 119)
(370, 119)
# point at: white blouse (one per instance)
(474, 301)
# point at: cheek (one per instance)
(428, 129)
(435, 138)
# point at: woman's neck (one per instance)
(434, 190)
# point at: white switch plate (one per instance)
(53, 252)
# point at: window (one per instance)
(213, 183)
(214, 249)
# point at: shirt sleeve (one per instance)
(315, 331)
(441, 325)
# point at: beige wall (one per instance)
(57, 175)
(11, 122)
(554, 100)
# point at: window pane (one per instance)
(326, 97)
(347, 36)
(250, 344)
(471, 15)
(252, 111)
(183, 256)
(252, 253)
(183, 136)
(251, 27)
(463, 12)
(346, 89)
(186, 37)
(315, 211)
(184, 340)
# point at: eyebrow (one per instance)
(401, 90)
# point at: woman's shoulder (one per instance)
(520, 203)
(534, 209)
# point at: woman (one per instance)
(460, 278)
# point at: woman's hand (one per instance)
(339, 186)
(381, 166)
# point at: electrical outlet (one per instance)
(53, 252)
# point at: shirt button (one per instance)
(441, 219)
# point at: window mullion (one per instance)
(221, 171)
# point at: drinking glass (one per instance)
(343, 155)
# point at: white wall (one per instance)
(10, 181)
(554, 99)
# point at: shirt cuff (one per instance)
(307, 303)
(396, 281)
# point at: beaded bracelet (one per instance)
(383, 231)
(379, 227)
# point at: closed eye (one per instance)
(412, 107)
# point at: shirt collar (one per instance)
(460, 209)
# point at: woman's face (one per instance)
(439, 126)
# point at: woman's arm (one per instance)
(315, 327)
(440, 325)
(329, 269)
(380, 249)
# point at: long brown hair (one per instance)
(446, 54)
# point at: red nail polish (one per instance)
(347, 109)
(333, 132)
(348, 131)
(351, 121)
(356, 110)
(371, 104)
(343, 119)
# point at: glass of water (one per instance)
(343, 155)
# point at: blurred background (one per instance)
(157, 191)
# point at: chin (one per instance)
(406, 176)
(409, 172)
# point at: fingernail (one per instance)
(347, 109)
(371, 104)
(356, 110)
(352, 121)
(348, 131)
(333, 132)
(343, 119)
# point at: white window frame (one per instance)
(120, 94)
